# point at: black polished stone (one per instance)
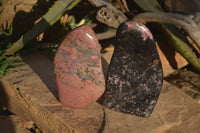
(135, 73)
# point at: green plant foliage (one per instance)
(72, 22)
(8, 63)
(10, 30)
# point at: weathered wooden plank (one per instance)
(25, 94)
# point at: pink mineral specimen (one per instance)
(78, 68)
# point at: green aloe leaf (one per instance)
(47, 20)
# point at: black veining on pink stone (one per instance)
(135, 73)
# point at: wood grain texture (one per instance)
(26, 95)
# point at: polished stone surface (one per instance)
(135, 73)
(78, 68)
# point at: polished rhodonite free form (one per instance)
(78, 68)
(135, 73)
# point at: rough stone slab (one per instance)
(175, 112)
(26, 95)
